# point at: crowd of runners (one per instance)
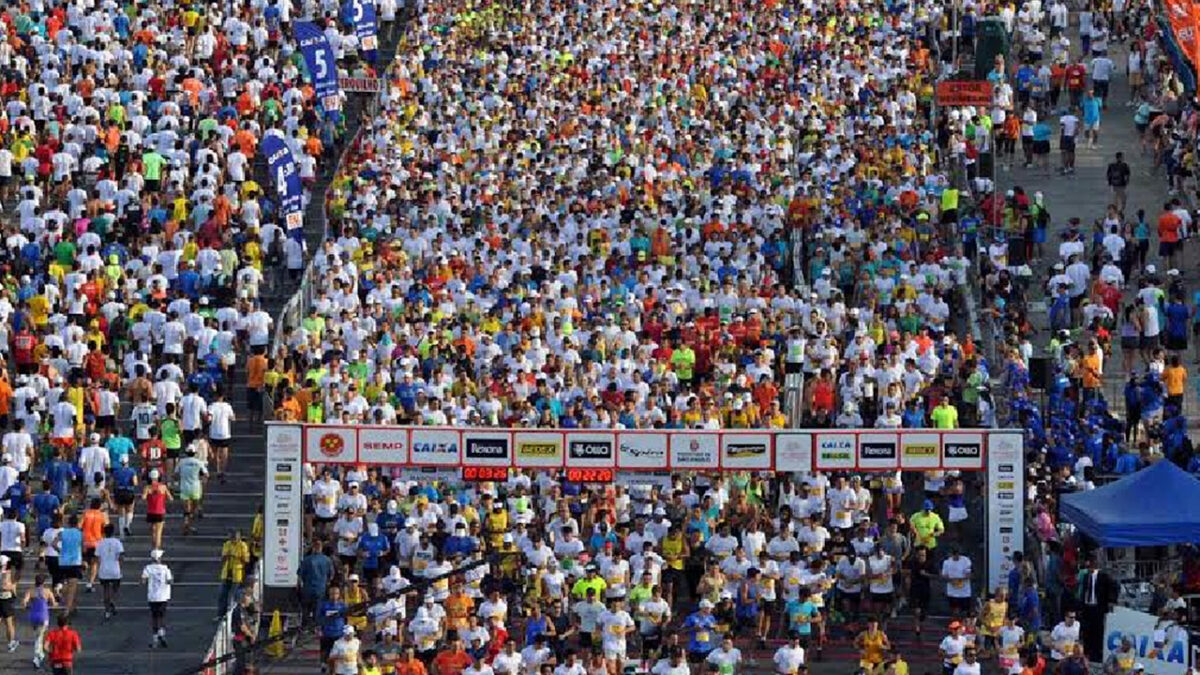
(645, 217)
(138, 244)
(590, 216)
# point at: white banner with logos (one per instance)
(642, 450)
(673, 449)
(1006, 502)
(746, 451)
(283, 512)
(1163, 650)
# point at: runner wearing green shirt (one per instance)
(926, 527)
(152, 165)
(944, 415)
(684, 362)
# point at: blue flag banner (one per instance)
(286, 174)
(360, 14)
(322, 66)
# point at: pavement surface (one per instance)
(1086, 195)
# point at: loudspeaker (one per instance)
(1040, 372)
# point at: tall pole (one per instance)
(954, 27)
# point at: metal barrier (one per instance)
(220, 657)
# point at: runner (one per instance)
(39, 600)
(191, 473)
(109, 555)
(156, 495)
(158, 579)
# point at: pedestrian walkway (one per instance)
(1085, 194)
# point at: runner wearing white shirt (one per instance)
(19, 445)
(13, 540)
(726, 658)
(158, 579)
(1064, 637)
(789, 657)
(192, 411)
(614, 625)
(220, 431)
(110, 551)
(956, 571)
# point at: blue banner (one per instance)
(286, 175)
(360, 14)
(322, 66)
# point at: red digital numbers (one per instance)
(589, 475)
(482, 474)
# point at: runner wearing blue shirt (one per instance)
(70, 560)
(331, 614)
(125, 481)
(372, 546)
(701, 627)
(1091, 118)
(45, 505)
(118, 446)
(801, 613)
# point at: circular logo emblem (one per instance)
(332, 445)
(694, 445)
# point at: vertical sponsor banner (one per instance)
(283, 515)
(836, 452)
(434, 447)
(694, 451)
(330, 444)
(647, 451)
(538, 449)
(487, 448)
(1006, 501)
(920, 451)
(284, 172)
(745, 451)
(793, 452)
(591, 450)
(360, 15)
(962, 451)
(322, 66)
(878, 452)
(1182, 15)
(383, 445)
(1143, 630)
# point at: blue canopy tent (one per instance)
(1156, 506)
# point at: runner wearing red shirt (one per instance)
(62, 644)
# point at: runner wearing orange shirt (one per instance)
(92, 526)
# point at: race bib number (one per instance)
(295, 220)
(370, 43)
(332, 102)
(702, 636)
(958, 583)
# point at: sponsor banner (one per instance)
(642, 450)
(368, 85)
(659, 479)
(360, 15)
(793, 452)
(330, 445)
(321, 63)
(284, 172)
(434, 447)
(428, 474)
(964, 92)
(1183, 16)
(484, 448)
(746, 451)
(1006, 502)
(541, 449)
(694, 451)
(283, 515)
(920, 451)
(962, 451)
(878, 451)
(1143, 630)
(836, 452)
(383, 445)
(591, 450)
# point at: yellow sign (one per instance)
(538, 449)
(920, 450)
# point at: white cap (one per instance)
(348, 630)
(706, 604)
(156, 554)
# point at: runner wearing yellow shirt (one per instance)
(926, 527)
(944, 415)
